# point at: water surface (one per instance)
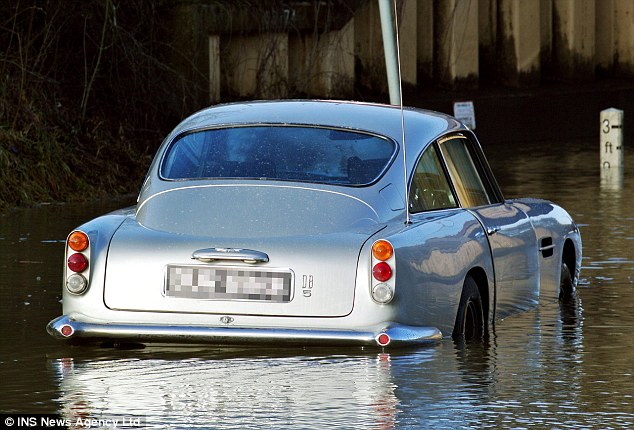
(563, 367)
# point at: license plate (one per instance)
(228, 283)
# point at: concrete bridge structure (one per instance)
(332, 49)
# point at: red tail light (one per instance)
(383, 281)
(78, 252)
(382, 271)
(67, 330)
(77, 262)
(383, 339)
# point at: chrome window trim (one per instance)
(483, 169)
(445, 172)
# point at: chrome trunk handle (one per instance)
(234, 254)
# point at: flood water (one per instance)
(565, 367)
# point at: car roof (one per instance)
(375, 118)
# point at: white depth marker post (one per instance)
(611, 138)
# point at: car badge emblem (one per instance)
(226, 319)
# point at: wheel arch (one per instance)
(569, 256)
(480, 277)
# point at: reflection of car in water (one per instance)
(287, 392)
(287, 222)
(449, 386)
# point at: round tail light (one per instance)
(382, 250)
(78, 241)
(76, 283)
(77, 262)
(382, 293)
(66, 331)
(382, 271)
(383, 339)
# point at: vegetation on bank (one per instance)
(89, 88)
(85, 98)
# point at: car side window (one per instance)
(464, 173)
(430, 188)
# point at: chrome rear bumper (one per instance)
(68, 328)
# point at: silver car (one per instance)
(310, 222)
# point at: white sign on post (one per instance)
(611, 138)
(465, 113)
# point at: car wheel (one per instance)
(470, 321)
(566, 285)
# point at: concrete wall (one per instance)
(519, 44)
(546, 35)
(322, 64)
(453, 43)
(624, 37)
(456, 57)
(256, 65)
(574, 39)
(424, 40)
(368, 43)
(605, 35)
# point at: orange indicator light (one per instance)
(78, 241)
(382, 250)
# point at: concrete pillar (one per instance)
(605, 35)
(519, 41)
(214, 68)
(574, 42)
(337, 63)
(302, 63)
(257, 65)
(425, 40)
(189, 55)
(624, 37)
(546, 35)
(488, 39)
(408, 40)
(456, 42)
(323, 65)
(370, 70)
(368, 49)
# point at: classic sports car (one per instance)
(310, 222)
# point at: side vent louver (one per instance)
(547, 248)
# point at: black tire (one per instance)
(566, 285)
(470, 320)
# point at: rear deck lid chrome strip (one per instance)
(233, 254)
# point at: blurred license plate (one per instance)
(227, 283)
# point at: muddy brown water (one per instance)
(564, 367)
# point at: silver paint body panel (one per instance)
(323, 235)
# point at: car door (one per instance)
(509, 230)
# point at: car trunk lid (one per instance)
(240, 263)
(248, 210)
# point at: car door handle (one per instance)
(492, 230)
(245, 255)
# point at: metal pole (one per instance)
(389, 47)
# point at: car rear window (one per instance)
(288, 153)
